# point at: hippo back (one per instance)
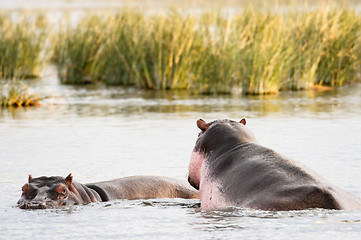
(230, 168)
(144, 187)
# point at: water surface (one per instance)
(100, 133)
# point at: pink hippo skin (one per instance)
(209, 193)
(230, 168)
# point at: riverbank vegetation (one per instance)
(22, 47)
(23, 53)
(254, 52)
(250, 52)
(16, 94)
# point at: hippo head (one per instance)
(44, 192)
(216, 137)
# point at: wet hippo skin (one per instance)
(230, 168)
(43, 192)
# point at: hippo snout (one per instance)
(33, 205)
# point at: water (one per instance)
(100, 133)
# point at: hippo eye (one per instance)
(64, 193)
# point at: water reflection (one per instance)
(165, 203)
(155, 203)
(59, 210)
(102, 101)
(238, 212)
(248, 219)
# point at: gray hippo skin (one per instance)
(44, 192)
(230, 168)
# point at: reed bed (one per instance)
(22, 46)
(14, 93)
(253, 52)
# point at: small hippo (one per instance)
(230, 168)
(44, 192)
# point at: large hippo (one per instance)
(230, 168)
(43, 192)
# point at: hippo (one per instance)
(44, 192)
(231, 169)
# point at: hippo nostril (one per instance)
(42, 205)
(24, 206)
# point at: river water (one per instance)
(101, 133)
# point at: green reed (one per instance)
(76, 51)
(253, 52)
(22, 47)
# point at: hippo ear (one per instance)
(202, 125)
(69, 180)
(243, 121)
(30, 178)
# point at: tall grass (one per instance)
(129, 49)
(254, 52)
(77, 50)
(22, 47)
